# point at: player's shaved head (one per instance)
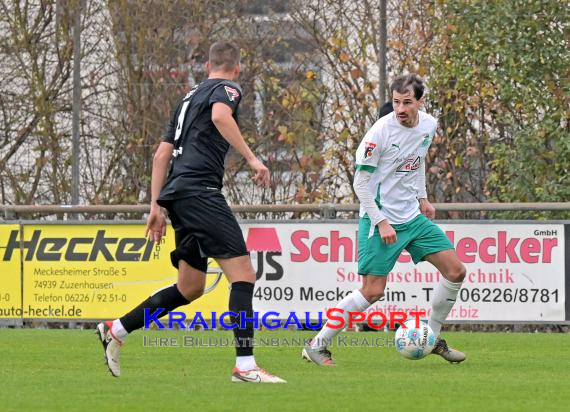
(224, 55)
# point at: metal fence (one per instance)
(325, 210)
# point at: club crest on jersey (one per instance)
(368, 149)
(231, 92)
(409, 165)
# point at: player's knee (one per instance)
(191, 292)
(246, 275)
(376, 296)
(457, 274)
(169, 298)
(373, 294)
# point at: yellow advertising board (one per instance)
(101, 271)
(10, 272)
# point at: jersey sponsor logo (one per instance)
(231, 92)
(409, 165)
(426, 140)
(368, 149)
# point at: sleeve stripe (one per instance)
(366, 168)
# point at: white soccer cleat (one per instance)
(111, 347)
(256, 375)
(319, 356)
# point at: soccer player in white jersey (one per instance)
(395, 215)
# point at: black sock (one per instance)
(241, 296)
(168, 298)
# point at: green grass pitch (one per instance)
(63, 370)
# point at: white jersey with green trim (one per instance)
(393, 154)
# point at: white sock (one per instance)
(443, 300)
(245, 363)
(354, 302)
(118, 330)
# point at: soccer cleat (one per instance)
(255, 375)
(111, 347)
(449, 354)
(320, 356)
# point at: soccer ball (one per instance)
(414, 343)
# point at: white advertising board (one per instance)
(515, 272)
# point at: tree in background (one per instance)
(501, 74)
(36, 49)
(496, 72)
(344, 36)
(160, 52)
(35, 55)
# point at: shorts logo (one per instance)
(231, 92)
(368, 149)
(409, 165)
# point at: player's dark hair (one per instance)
(403, 82)
(224, 55)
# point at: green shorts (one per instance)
(419, 237)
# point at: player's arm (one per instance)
(156, 221)
(426, 207)
(160, 164)
(228, 128)
(367, 160)
(366, 198)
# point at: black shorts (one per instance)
(204, 227)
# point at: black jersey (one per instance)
(199, 148)
(385, 109)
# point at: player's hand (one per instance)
(261, 176)
(427, 209)
(155, 225)
(387, 232)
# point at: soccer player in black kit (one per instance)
(199, 134)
